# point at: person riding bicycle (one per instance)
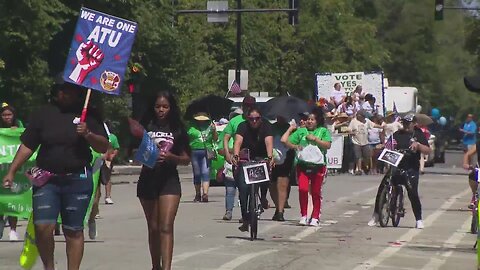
(467, 165)
(411, 139)
(256, 136)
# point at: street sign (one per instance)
(217, 6)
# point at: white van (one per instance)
(260, 98)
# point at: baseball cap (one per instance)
(409, 117)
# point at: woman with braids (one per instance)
(159, 187)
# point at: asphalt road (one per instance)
(344, 241)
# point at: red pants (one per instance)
(315, 179)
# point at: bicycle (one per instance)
(474, 224)
(255, 208)
(392, 198)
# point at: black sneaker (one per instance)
(287, 205)
(197, 198)
(275, 216)
(243, 227)
(280, 217)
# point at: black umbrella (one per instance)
(288, 107)
(216, 107)
(472, 83)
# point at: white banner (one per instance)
(335, 153)
(371, 83)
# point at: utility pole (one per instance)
(293, 20)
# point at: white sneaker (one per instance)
(314, 222)
(374, 221)
(419, 224)
(13, 236)
(303, 221)
(108, 200)
(92, 230)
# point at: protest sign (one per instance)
(14, 202)
(99, 51)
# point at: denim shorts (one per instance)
(67, 195)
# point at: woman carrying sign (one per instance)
(315, 139)
(62, 180)
(159, 187)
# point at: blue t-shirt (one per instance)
(470, 139)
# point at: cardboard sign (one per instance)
(99, 51)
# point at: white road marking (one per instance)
(244, 258)
(369, 204)
(410, 234)
(355, 194)
(186, 255)
(263, 229)
(350, 213)
(308, 231)
(452, 242)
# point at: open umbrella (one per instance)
(472, 83)
(423, 119)
(215, 106)
(288, 107)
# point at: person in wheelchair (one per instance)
(256, 136)
(412, 142)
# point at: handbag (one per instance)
(311, 154)
(38, 177)
(105, 173)
(210, 153)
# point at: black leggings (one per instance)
(412, 188)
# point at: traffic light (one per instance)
(439, 6)
(293, 15)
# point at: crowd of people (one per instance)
(291, 150)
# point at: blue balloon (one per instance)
(435, 113)
(442, 121)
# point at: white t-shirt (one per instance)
(391, 128)
(367, 107)
(338, 96)
(348, 109)
(360, 131)
(374, 136)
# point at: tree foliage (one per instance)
(192, 57)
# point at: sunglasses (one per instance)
(254, 119)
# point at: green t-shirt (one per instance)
(233, 124)
(299, 137)
(231, 129)
(200, 138)
(113, 141)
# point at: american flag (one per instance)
(391, 143)
(235, 88)
(395, 111)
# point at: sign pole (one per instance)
(85, 106)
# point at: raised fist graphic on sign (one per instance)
(89, 57)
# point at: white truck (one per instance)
(404, 98)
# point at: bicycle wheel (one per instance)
(253, 212)
(397, 205)
(384, 211)
(474, 225)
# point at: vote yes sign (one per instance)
(99, 51)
